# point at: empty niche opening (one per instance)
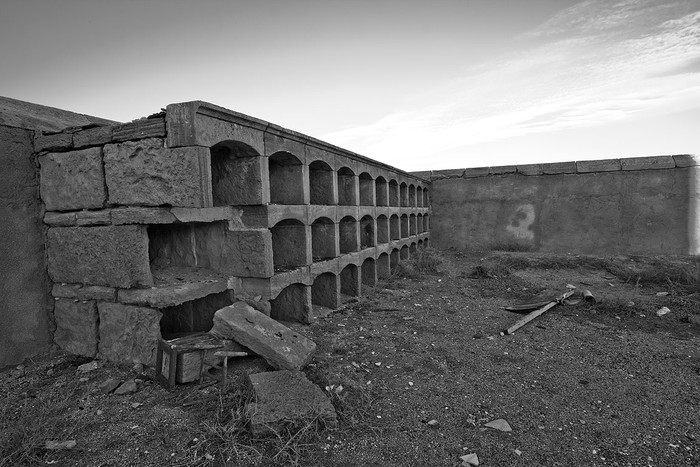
(171, 245)
(420, 244)
(369, 272)
(411, 195)
(426, 243)
(288, 245)
(381, 190)
(286, 179)
(393, 193)
(366, 190)
(413, 249)
(394, 259)
(383, 266)
(382, 229)
(419, 222)
(419, 197)
(292, 304)
(321, 183)
(426, 223)
(366, 232)
(403, 193)
(323, 239)
(236, 178)
(404, 226)
(324, 291)
(193, 316)
(426, 198)
(394, 230)
(348, 235)
(349, 282)
(346, 187)
(412, 224)
(404, 252)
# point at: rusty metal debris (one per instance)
(571, 297)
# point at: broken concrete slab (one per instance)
(76, 326)
(282, 347)
(128, 334)
(72, 180)
(283, 397)
(113, 256)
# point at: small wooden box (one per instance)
(182, 360)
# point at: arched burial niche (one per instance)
(404, 226)
(403, 193)
(412, 195)
(393, 193)
(381, 190)
(413, 249)
(286, 179)
(394, 259)
(394, 231)
(323, 241)
(426, 223)
(412, 224)
(420, 244)
(426, 198)
(419, 196)
(383, 267)
(404, 253)
(348, 233)
(366, 232)
(366, 190)
(293, 303)
(382, 229)
(325, 291)
(419, 223)
(236, 177)
(321, 183)
(349, 282)
(369, 272)
(288, 245)
(346, 187)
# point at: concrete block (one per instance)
(502, 170)
(93, 137)
(97, 292)
(128, 333)
(141, 129)
(648, 163)
(559, 168)
(145, 173)
(451, 173)
(60, 219)
(93, 217)
(175, 286)
(76, 326)
(55, 142)
(686, 160)
(114, 256)
(275, 142)
(282, 397)
(530, 169)
(282, 347)
(605, 165)
(473, 172)
(72, 180)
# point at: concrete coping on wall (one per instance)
(572, 167)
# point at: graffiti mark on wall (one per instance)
(520, 223)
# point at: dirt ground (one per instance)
(416, 370)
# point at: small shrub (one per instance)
(425, 261)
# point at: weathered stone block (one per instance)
(605, 165)
(282, 347)
(97, 292)
(65, 290)
(76, 326)
(115, 256)
(559, 168)
(502, 170)
(686, 160)
(175, 286)
(93, 217)
(72, 180)
(451, 173)
(128, 333)
(145, 173)
(648, 163)
(93, 136)
(60, 219)
(140, 129)
(55, 142)
(283, 397)
(530, 169)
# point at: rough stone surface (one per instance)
(54, 142)
(114, 256)
(92, 136)
(60, 219)
(76, 326)
(96, 292)
(530, 169)
(128, 334)
(604, 165)
(93, 218)
(559, 168)
(282, 347)
(145, 173)
(648, 163)
(108, 385)
(72, 180)
(283, 397)
(127, 387)
(25, 298)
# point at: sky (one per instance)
(421, 85)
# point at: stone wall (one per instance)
(644, 205)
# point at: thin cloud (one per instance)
(596, 62)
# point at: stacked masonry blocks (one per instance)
(156, 224)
